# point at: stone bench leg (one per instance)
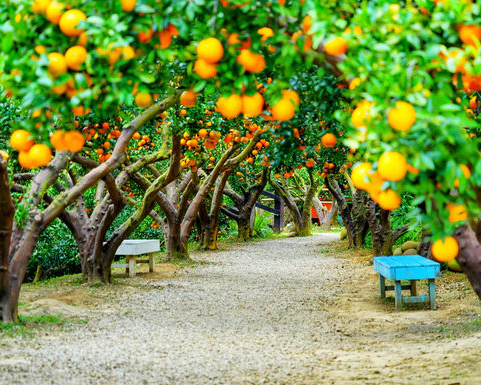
(151, 262)
(131, 261)
(432, 294)
(398, 295)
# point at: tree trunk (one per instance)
(383, 237)
(176, 249)
(353, 217)
(469, 256)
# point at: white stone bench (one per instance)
(132, 248)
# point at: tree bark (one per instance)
(244, 204)
(353, 217)
(469, 256)
(383, 237)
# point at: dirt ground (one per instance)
(363, 340)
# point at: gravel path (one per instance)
(258, 313)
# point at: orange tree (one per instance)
(309, 140)
(63, 60)
(414, 72)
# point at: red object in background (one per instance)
(326, 204)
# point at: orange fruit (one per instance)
(402, 117)
(136, 136)
(310, 163)
(4, 155)
(306, 23)
(336, 46)
(188, 98)
(203, 133)
(392, 166)
(80, 110)
(143, 99)
(75, 57)
(362, 114)
(354, 83)
(165, 38)
(57, 140)
(182, 112)
(127, 53)
(252, 105)
(24, 160)
(328, 140)
(210, 50)
(40, 155)
(204, 69)
(388, 199)
(470, 34)
(54, 11)
(74, 141)
(265, 32)
(445, 250)
(251, 62)
(57, 64)
(69, 21)
(40, 6)
(21, 140)
(283, 110)
(457, 213)
(128, 5)
(291, 95)
(359, 175)
(466, 171)
(230, 106)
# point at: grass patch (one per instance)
(28, 326)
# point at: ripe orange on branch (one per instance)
(128, 5)
(75, 57)
(252, 62)
(205, 70)
(252, 105)
(230, 106)
(283, 110)
(328, 140)
(336, 46)
(402, 117)
(57, 65)
(210, 50)
(359, 175)
(20, 140)
(143, 99)
(188, 98)
(470, 34)
(40, 155)
(54, 11)
(69, 21)
(388, 199)
(74, 141)
(392, 166)
(445, 250)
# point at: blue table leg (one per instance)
(414, 291)
(432, 294)
(398, 295)
(382, 286)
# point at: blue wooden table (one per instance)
(407, 268)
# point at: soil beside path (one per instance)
(280, 311)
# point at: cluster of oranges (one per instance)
(30, 155)
(210, 51)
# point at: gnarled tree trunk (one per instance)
(383, 237)
(354, 217)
